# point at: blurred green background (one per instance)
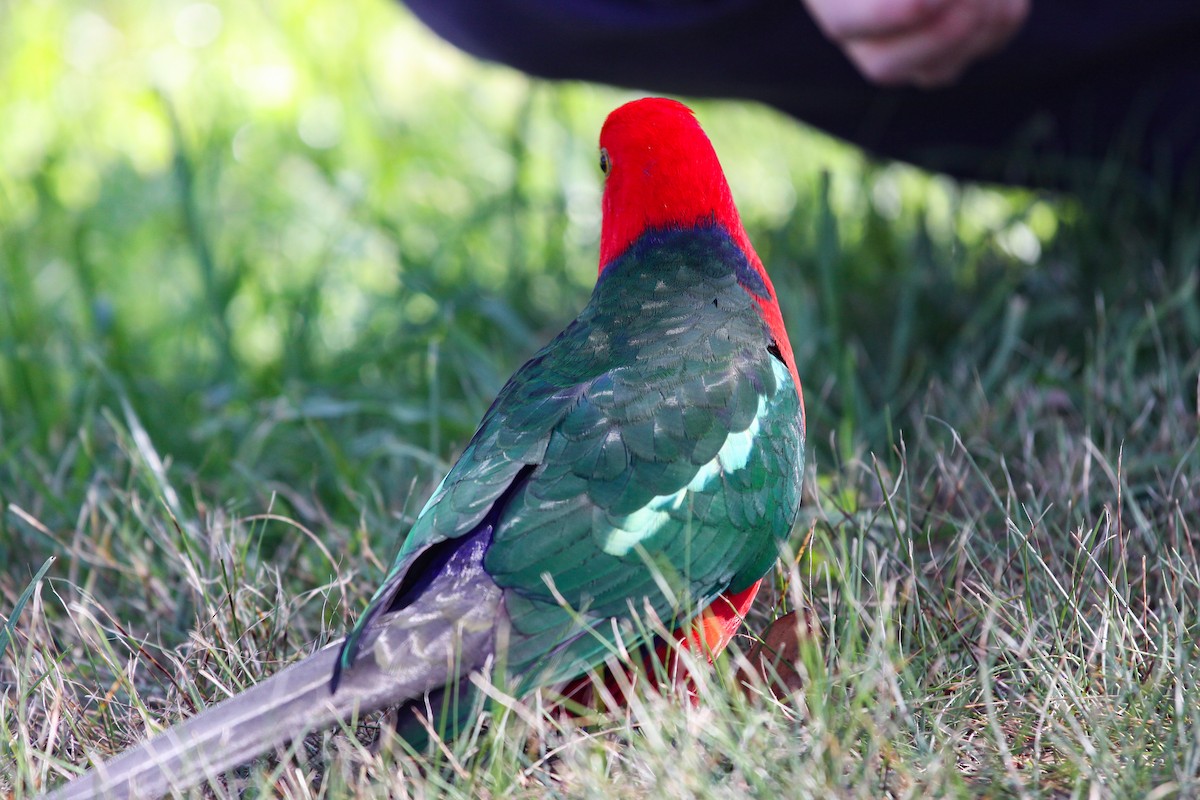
(297, 247)
(263, 267)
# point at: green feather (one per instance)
(656, 434)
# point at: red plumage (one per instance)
(664, 173)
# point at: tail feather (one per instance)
(282, 708)
(434, 643)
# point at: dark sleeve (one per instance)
(1083, 78)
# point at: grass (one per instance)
(258, 284)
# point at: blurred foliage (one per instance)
(263, 266)
(303, 244)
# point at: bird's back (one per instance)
(673, 445)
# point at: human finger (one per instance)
(845, 20)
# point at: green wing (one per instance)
(642, 496)
(652, 450)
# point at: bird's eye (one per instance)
(605, 162)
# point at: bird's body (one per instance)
(646, 463)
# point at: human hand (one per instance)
(925, 43)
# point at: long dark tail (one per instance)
(431, 645)
(282, 708)
(411, 653)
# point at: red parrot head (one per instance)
(661, 172)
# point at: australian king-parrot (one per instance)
(646, 463)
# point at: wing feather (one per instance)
(659, 444)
